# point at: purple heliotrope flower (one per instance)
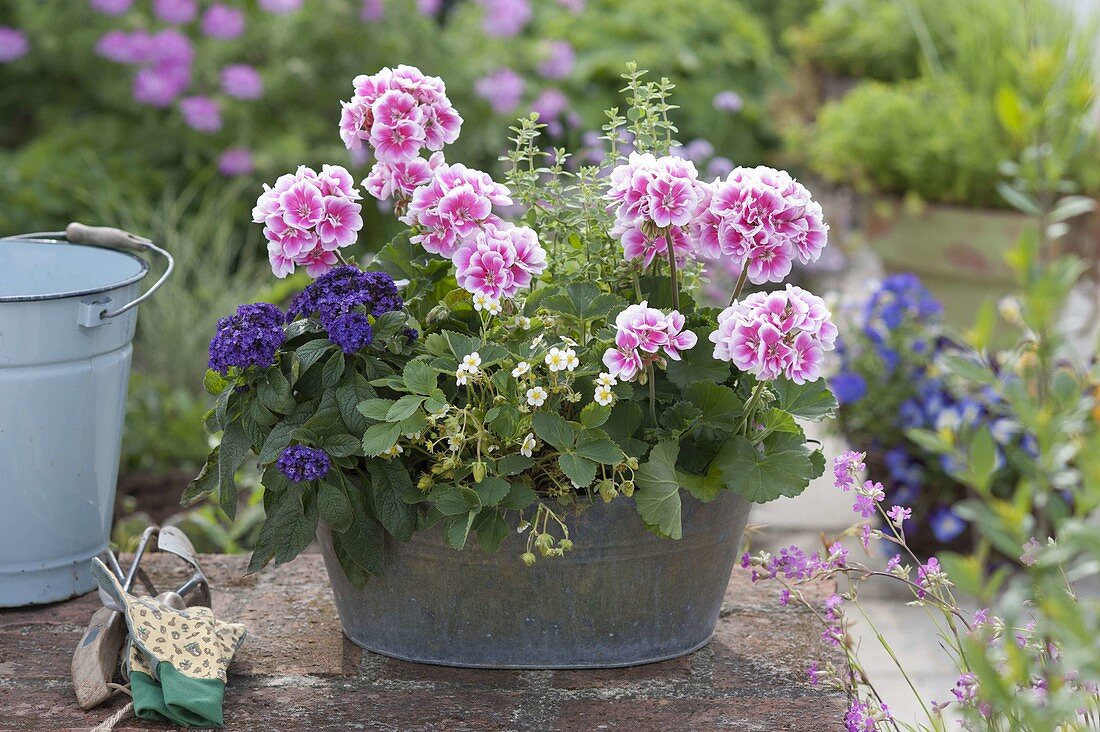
(223, 22)
(176, 11)
(236, 161)
(344, 288)
(242, 82)
(201, 113)
(502, 88)
(351, 331)
(13, 44)
(248, 338)
(301, 464)
(111, 7)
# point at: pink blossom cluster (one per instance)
(762, 219)
(499, 260)
(454, 206)
(652, 197)
(642, 333)
(399, 180)
(308, 216)
(398, 112)
(773, 334)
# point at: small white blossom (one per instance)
(536, 396)
(521, 368)
(537, 342)
(493, 307)
(606, 379)
(527, 449)
(481, 302)
(523, 322)
(394, 451)
(461, 375)
(556, 359)
(604, 396)
(571, 360)
(471, 362)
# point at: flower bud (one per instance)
(528, 558)
(565, 545)
(632, 462)
(627, 487)
(425, 482)
(438, 314)
(479, 472)
(544, 541)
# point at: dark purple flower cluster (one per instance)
(248, 338)
(351, 331)
(300, 463)
(343, 289)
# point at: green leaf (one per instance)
(698, 365)
(600, 450)
(387, 325)
(657, 496)
(389, 482)
(404, 407)
(213, 382)
(231, 453)
(780, 466)
(553, 429)
(812, 400)
(205, 483)
(514, 464)
(348, 396)
(277, 440)
(380, 437)
(457, 500)
(505, 422)
(456, 530)
(719, 405)
(275, 392)
(311, 352)
(375, 408)
(594, 415)
(333, 504)
(519, 497)
(461, 344)
(363, 543)
(704, 488)
(342, 445)
(293, 524)
(420, 378)
(491, 530)
(492, 490)
(626, 418)
(982, 459)
(580, 470)
(334, 369)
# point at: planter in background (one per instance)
(67, 319)
(621, 597)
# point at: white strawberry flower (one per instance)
(571, 360)
(537, 342)
(461, 375)
(556, 359)
(606, 379)
(527, 449)
(471, 362)
(604, 396)
(493, 307)
(393, 451)
(523, 322)
(536, 396)
(521, 369)
(481, 302)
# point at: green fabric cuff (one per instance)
(178, 698)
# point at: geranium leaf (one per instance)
(657, 496)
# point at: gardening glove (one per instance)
(177, 658)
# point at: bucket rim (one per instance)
(140, 275)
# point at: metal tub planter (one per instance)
(622, 597)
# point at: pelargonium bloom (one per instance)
(559, 60)
(773, 334)
(397, 181)
(300, 463)
(248, 338)
(160, 85)
(397, 112)
(653, 198)
(453, 206)
(307, 217)
(642, 333)
(175, 11)
(499, 260)
(762, 219)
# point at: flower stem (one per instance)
(740, 283)
(652, 393)
(672, 271)
(750, 406)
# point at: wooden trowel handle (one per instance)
(96, 657)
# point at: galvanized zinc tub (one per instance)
(622, 597)
(67, 318)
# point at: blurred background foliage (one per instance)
(900, 97)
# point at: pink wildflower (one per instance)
(499, 260)
(441, 226)
(653, 198)
(642, 334)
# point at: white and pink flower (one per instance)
(307, 217)
(497, 261)
(773, 334)
(642, 334)
(762, 219)
(455, 205)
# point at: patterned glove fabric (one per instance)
(177, 658)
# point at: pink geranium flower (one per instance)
(302, 205)
(492, 264)
(396, 143)
(340, 224)
(642, 334)
(783, 333)
(441, 227)
(399, 180)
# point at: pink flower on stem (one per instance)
(159, 86)
(550, 104)
(505, 18)
(762, 219)
(302, 205)
(642, 334)
(559, 60)
(399, 180)
(499, 260)
(398, 143)
(340, 224)
(782, 333)
(654, 198)
(502, 89)
(441, 228)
